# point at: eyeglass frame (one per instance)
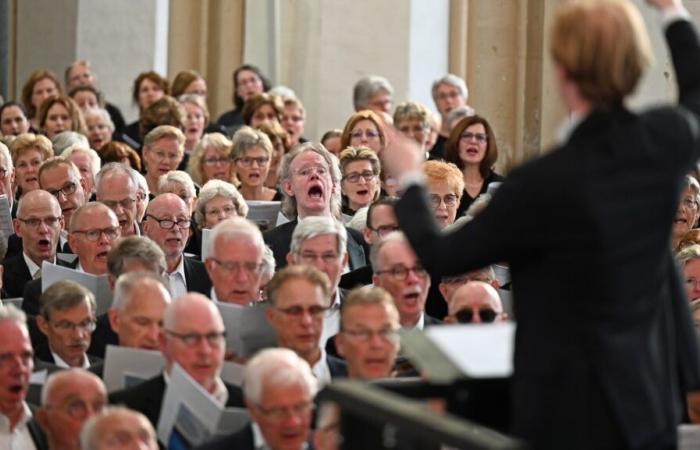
(354, 177)
(486, 315)
(100, 232)
(396, 271)
(32, 221)
(66, 326)
(179, 223)
(68, 188)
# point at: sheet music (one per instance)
(263, 214)
(98, 285)
(121, 363)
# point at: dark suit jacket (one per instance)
(337, 367)
(103, 336)
(240, 440)
(196, 276)
(16, 275)
(44, 355)
(37, 434)
(147, 397)
(604, 339)
(279, 239)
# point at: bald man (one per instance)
(475, 302)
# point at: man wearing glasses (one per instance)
(168, 222)
(475, 302)
(67, 319)
(117, 188)
(70, 397)
(299, 298)
(193, 336)
(39, 223)
(398, 270)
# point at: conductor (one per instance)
(605, 349)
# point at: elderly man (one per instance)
(236, 250)
(168, 223)
(449, 284)
(193, 337)
(368, 338)
(67, 318)
(94, 229)
(69, 398)
(39, 223)
(475, 302)
(310, 181)
(320, 242)
(17, 431)
(298, 297)
(279, 389)
(116, 187)
(118, 428)
(136, 314)
(61, 178)
(449, 92)
(397, 269)
(373, 92)
(163, 150)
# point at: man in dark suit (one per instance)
(39, 222)
(310, 182)
(280, 412)
(298, 297)
(604, 334)
(193, 337)
(167, 223)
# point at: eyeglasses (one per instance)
(466, 315)
(315, 311)
(479, 137)
(168, 224)
(10, 359)
(364, 335)
(167, 156)
(97, 127)
(369, 134)
(248, 161)
(280, 412)
(227, 210)
(66, 190)
(692, 282)
(689, 202)
(248, 267)
(446, 95)
(215, 161)
(34, 222)
(126, 203)
(310, 257)
(400, 273)
(449, 199)
(354, 177)
(65, 326)
(78, 409)
(384, 229)
(214, 338)
(111, 233)
(3, 172)
(310, 170)
(292, 118)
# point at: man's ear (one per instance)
(366, 233)
(17, 225)
(449, 319)
(339, 344)
(495, 284)
(42, 324)
(287, 187)
(290, 259)
(375, 279)
(113, 317)
(42, 419)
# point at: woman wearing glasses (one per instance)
(363, 129)
(211, 160)
(445, 188)
(252, 150)
(28, 152)
(472, 147)
(360, 183)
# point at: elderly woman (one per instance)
(28, 152)
(262, 108)
(212, 160)
(360, 169)
(472, 148)
(40, 85)
(58, 114)
(413, 120)
(217, 201)
(120, 152)
(364, 129)
(280, 145)
(196, 120)
(689, 261)
(13, 119)
(445, 187)
(99, 127)
(179, 183)
(148, 88)
(87, 161)
(687, 214)
(252, 151)
(189, 82)
(163, 149)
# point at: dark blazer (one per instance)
(44, 354)
(240, 440)
(337, 367)
(16, 275)
(37, 434)
(147, 397)
(429, 321)
(604, 339)
(196, 276)
(279, 239)
(357, 277)
(103, 336)
(32, 290)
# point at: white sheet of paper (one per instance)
(255, 330)
(123, 361)
(232, 420)
(231, 314)
(502, 274)
(38, 377)
(232, 373)
(206, 233)
(98, 285)
(480, 351)
(183, 389)
(16, 301)
(263, 214)
(5, 218)
(688, 437)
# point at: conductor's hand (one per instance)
(401, 154)
(663, 5)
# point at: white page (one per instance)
(206, 233)
(38, 377)
(5, 218)
(688, 436)
(256, 332)
(183, 389)
(98, 285)
(121, 362)
(263, 214)
(16, 301)
(231, 314)
(232, 420)
(479, 351)
(232, 373)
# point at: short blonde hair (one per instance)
(438, 171)
(29, 141)
(165, 131)
(195, 164)
(218, 188)
(247, 138)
